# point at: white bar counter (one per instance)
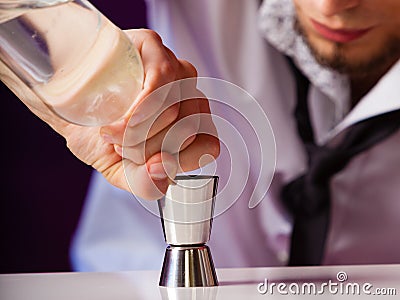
(327, 282)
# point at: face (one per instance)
(351, 36)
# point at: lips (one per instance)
(339, 35)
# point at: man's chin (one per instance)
(342, 60)
(335, 58)
(358, 62)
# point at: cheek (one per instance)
(388, 27)
(394, 27)
(381, 12)
(303, 5)
(387, 10)
(305, 9)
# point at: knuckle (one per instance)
(171, 113)
(148, 152)
(133, 137)
(167, 70)
(151, 34)
(212, 146)
(187, 131)
(189, 67)
(187, 127)
(136, 154)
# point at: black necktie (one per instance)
(308, 196)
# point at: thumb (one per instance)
(151, 180)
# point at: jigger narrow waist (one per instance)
(178, 234)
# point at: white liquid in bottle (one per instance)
(93, 72)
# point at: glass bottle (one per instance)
(82, 66)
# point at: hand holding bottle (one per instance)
(100, 147)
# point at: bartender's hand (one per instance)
(150, 170)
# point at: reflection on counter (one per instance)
(197, 293)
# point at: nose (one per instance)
(333, 7)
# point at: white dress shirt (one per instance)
(227, 39)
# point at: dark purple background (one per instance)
(43, 185)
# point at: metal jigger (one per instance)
(186, 216)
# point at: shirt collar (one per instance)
(384, 97)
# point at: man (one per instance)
(349, 51)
